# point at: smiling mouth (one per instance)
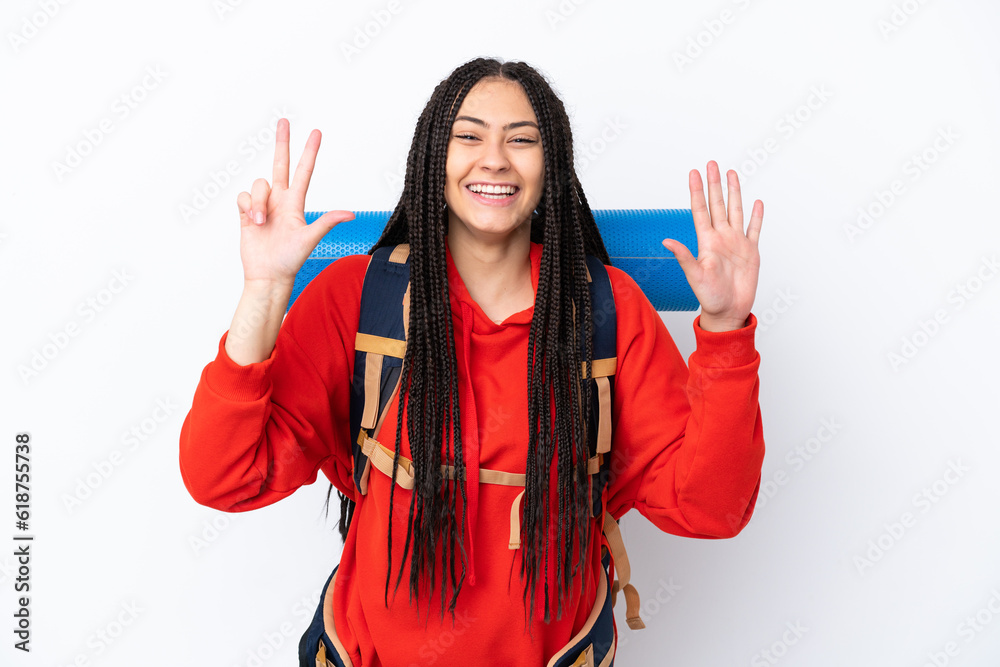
(493, 192)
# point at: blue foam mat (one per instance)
(633, 238)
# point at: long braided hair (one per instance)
(564, 224)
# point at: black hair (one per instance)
(564, 224)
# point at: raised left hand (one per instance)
(724, 276)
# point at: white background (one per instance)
(822, 552)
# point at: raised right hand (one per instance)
(724, 275)
(274, 237)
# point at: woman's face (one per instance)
(495, 167)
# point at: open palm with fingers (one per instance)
(724, 275)
(274, 238)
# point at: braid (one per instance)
(558, 396)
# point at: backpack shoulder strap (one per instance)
(603, 368)
(605, 365)
(380, 346)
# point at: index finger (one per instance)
(279, 175)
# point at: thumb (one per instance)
(323, 224)
(683, 255)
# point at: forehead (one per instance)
(497, 98)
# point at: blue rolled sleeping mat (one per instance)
(633, 238)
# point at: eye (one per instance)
(465, 135)
(524, 140)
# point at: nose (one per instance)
(494, 155)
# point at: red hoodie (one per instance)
(687, 451)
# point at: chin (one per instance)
(499, 229)
(490, 227)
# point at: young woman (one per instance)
(497, 317)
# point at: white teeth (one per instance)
(487, 189)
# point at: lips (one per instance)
(493, 198)
(492, 188)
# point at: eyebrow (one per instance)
(508, 126)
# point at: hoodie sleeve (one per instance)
(256, 433)
(687, 445)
